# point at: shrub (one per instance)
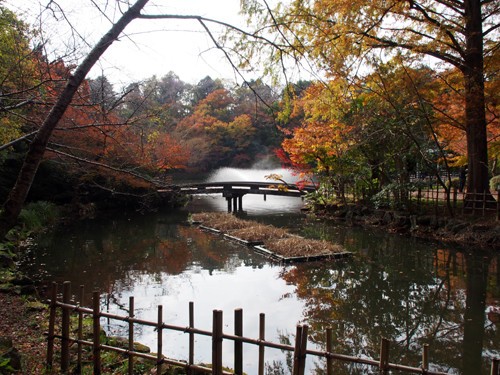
(494, 183)
(37, 215)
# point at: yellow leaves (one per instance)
(153, 136)
(9, 130)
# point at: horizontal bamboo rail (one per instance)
(299, 350)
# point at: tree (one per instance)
(17, 75)
(463, 33)
(17, 196)
(204, 87)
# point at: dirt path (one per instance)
(23, 323)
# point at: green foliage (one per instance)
(495, 183)
(37, 215)
(16, 73)
(5, 367)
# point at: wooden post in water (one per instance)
(52, 320)
(65, 328)
(131, 313)
(217, 326)
(159, 327)
(238, 345)
(96, 350)
(262, 337)
(80, 331)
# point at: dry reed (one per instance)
(220, 221)
(259, 232)
(275, 239)
(297, 246)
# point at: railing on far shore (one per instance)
(299, 350)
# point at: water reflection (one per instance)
(412, 292)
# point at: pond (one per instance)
(411, 292)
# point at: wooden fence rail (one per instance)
(299, 350)
(435, 198)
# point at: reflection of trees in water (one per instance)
(412, 298)
(112, 254)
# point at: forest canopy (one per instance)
(381, 117)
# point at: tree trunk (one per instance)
(475, 115)
(17, 196)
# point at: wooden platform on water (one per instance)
(259, 247)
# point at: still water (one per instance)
(411, 292)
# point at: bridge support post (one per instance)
(240, 203)
(229, 207)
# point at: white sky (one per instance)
(153, 47)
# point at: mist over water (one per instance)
(251, 175)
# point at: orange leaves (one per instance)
(317, 144)
(167, 153)
(322, 136)
(215, 133)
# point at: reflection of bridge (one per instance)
(234, 191)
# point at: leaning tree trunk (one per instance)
(475, 115)
(17, 196)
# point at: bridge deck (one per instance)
(240, 188)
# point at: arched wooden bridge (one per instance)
(234, 191)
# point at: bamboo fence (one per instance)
(435, 198)
(299, 351)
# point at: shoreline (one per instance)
(466, 232)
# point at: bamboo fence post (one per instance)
(262, 337)
(238, 345)
(217, 343)
(96, 332)
(384, 356)
(455, 196)
(80, 331)
(159, 327)
(191, 336)
(52, 319)
(303, 350)
(65, 328)
(463, 203)
(298, 340)
(299, 353)
(329, 348)
(436, 201)
(474, 205)
(495, 366)
(419, 198)
(131, 313)
(498, 205)
(425, 357)
(484, 203)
